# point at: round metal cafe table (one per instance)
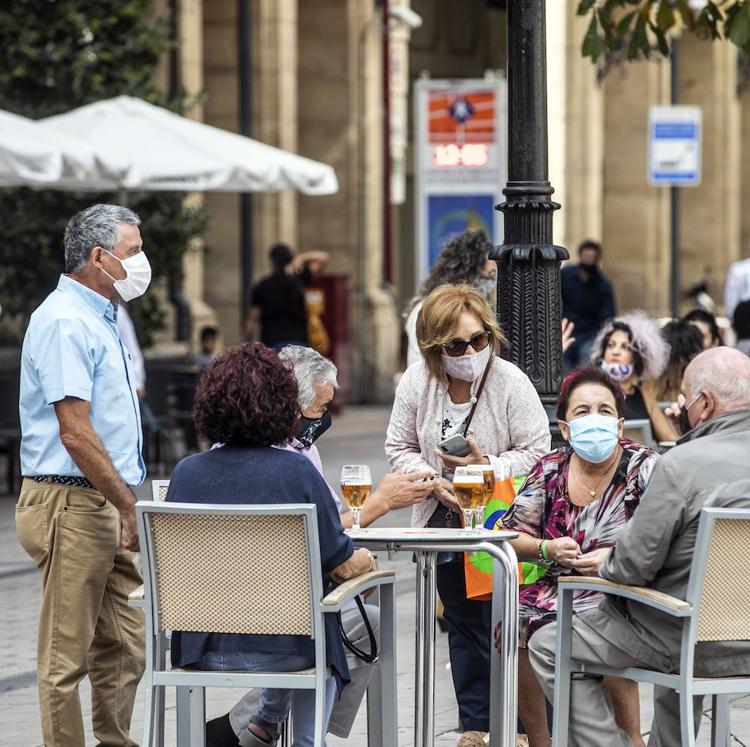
(426, 543)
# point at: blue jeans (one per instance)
(275, 704)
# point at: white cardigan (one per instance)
(509, 425)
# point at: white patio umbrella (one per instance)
(31, 155)
(166, 151)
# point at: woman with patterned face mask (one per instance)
(461, 390)
(569, 513)
(632, 351)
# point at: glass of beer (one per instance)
(468, 487)
(488, 475)
(356, 484)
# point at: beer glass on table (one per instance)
(356, 484)
(468, 487)
(488, 475)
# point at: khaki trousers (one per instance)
(85, 624)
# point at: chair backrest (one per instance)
(718, 587)
(159, 489)
(639, 431)
(231, 569)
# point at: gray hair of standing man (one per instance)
(725, 372)
(310, 369)
(97, 225)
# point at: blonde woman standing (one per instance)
(459, 340)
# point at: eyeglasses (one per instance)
(478, 342)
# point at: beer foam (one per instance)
(468, 479)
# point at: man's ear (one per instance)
(709, 409)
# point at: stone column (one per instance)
(635, 215)
(710, 213)
(340, 123)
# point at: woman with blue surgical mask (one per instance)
(569, 514)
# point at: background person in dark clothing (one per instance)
(278, 303)
(588, 301)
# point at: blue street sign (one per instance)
(674, 153)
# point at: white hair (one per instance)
(97, 225)
(725, 373)
(310, 369)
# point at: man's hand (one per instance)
(443, 491)
(474, 456)
(563, 551)
(400, 491)
(589, 563)
(129, 539)
(673, 413)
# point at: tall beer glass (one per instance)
(356, 484)
(468, 487)
(488, 475)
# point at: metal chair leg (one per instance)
(561, 714)
(720, 721)
(183, 717)
(197, 717)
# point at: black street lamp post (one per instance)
(529, 304)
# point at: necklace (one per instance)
(593, 492)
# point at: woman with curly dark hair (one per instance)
(685, 342)
(464, 259)
(247, 401)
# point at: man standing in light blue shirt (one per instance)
(80, 458)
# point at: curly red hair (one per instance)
(247, 397)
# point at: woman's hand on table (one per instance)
(589, 563)
(443, 491)
(563, 551)
(474, 456)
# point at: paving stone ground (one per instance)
(357, 436)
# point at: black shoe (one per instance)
(219, 733)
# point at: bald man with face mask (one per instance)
(709, 466)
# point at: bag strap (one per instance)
(372, 656)
(478, 394)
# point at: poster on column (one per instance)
(460, 149)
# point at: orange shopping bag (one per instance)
(478, 565)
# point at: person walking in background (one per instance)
(707, 325)
(631, 350)
(685, 342)
(737, 286)
(277, 304)
(81, 458)
(588, 302)
(464, 259)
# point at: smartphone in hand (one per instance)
(455, 446)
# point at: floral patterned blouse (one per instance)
(542, 509)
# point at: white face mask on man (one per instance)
(137, 276)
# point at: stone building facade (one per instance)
(315, 88)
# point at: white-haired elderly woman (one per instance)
(632, 351)
(317, 381)
(317, 384)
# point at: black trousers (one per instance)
(469, 636)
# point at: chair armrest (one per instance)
(658, 600)
(344, 592)
(136, 597)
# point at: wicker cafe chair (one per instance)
(246, 569)
(707, 615)
(159, 489)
